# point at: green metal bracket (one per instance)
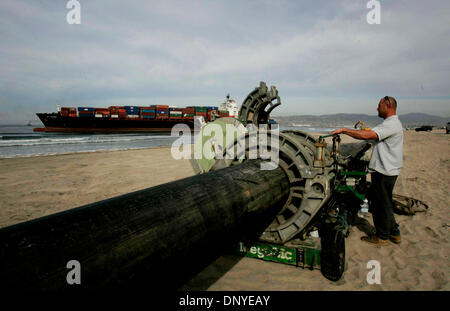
(325, 136)
(345, 188)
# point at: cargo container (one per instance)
(68, 111)
(86, 109)
(86, 115)
(188, 111)
(201, 109)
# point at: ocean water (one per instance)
(21, 141)
(310, 129)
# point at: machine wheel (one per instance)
(333, 251)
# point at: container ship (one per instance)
(122, 119)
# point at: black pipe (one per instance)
(156, 237)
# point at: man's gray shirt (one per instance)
(387, 155)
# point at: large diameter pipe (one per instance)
(157, 237)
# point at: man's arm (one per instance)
(358, 134)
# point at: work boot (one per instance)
(375, 240)
(397, 239)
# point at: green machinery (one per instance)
(327, 183)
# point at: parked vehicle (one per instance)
(424, 128)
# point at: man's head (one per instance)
(387, 107)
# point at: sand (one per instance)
(38, 186)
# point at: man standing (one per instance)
(384, 167)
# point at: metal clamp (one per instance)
(310, 187)
(258, 105)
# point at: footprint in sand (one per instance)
(431, 232)
(439, 278)
(399, 262)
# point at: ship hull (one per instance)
(54, 122)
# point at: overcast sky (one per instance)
(322, 56)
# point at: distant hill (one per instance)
(349, 119)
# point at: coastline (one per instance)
(79, 152)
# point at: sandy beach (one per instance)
(37, 186)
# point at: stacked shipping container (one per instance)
(201, 111)
(148, 112)
(138, 112)
(176, 113)
(69, 112)
(102, 113)
(162, 112)
(132, 112)
(188, 112)
(86, 112)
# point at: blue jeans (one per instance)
(381, 205)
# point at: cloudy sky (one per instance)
(322, 56)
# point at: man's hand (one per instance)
(358, 134)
